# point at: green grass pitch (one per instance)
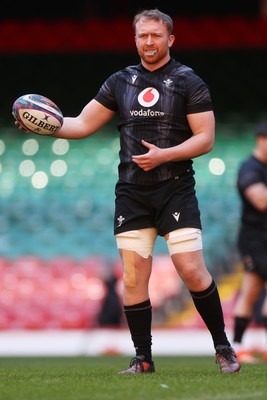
(93, 378)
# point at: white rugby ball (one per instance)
(37, 114)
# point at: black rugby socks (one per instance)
(240, 325)
(139, 319)
(208, 304)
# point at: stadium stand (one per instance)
(63, 203)
(70, 35)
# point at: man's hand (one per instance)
(152, 159)
(21, 127)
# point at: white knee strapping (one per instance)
(141, 241)
(184, 240)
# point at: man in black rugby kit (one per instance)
(252, 239)
(166, 119)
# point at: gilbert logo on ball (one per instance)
(37, 114)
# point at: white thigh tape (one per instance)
(184, 240)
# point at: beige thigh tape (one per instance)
(184, 240)
(140, 241)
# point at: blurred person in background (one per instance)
(165, 120)
(111, 311)
(252, 240)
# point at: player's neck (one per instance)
(260, 155)
(154, 66)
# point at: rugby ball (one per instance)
(37, 114)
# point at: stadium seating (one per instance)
(73, 214)
(67, 35)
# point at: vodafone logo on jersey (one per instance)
(148, 97)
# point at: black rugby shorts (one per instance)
(252, 245)
(166, 206)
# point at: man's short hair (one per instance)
(155, 15)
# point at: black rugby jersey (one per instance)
(153, 106)
(252, 171)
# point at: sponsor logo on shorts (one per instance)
(176, 216)
(120, 220)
